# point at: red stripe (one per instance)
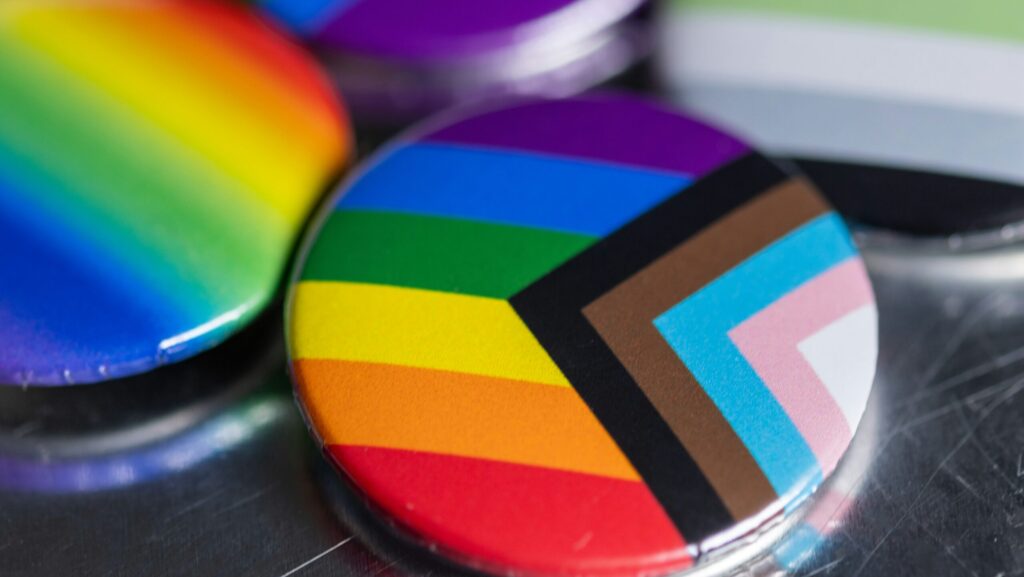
(507, 517)
(279, 57)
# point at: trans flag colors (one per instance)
(157, 159)
(581, 337)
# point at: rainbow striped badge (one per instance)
(581, 337)
(157, 158)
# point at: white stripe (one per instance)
(827, 126)
(844, 355)
(802, 53)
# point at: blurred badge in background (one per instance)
(397, 60)
(909, 115)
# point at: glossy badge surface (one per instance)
(444, 29)
(916, 101)
(157, 159)
(400, 60)
(589, 336)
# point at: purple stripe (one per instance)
(424, 29)
(614, 128)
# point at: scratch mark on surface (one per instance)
(974, 317)
(191, 507)
(948, 550)
(999, 362)
(246, 500)
(993, 465)
(389, 565)
(825, 568)
(326, 552)
(967, 324)
(963, 482)
(975, 372)
(583, 541)
(1010, 393)
(888, 534)
(927, 417)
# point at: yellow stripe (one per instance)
(203, 111)
(417, 328)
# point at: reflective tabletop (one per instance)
(206, 469)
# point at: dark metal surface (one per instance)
(936, 481)
(933, 486)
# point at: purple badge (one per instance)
(400, 59)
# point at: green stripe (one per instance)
(121, 183)
(436, 253)
(997, 19)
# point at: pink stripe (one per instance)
(831, 507)
(769, 341)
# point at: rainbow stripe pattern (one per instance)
(157, 159)
(548, 345)
(925, 85)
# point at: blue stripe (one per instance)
(66, 303)
(697, 330)
(304, 16)
(510, 188)
(60, 294)
(43, 203)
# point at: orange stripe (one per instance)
(303, 132)
(270, 67)
(396, 407)
(229, 49)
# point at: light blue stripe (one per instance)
(304, 16)
(797, 547)
(697, 329)
(510, 188)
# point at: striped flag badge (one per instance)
(158, 160)
(588, 336)
(898, 110)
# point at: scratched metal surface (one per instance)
(112, 481)
(206, 469)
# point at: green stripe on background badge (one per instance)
(996, 19)
(437, 253)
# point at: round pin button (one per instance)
(907, 115)
(581, 337)
(157, 159)
(397, 59)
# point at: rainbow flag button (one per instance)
(157, 160)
